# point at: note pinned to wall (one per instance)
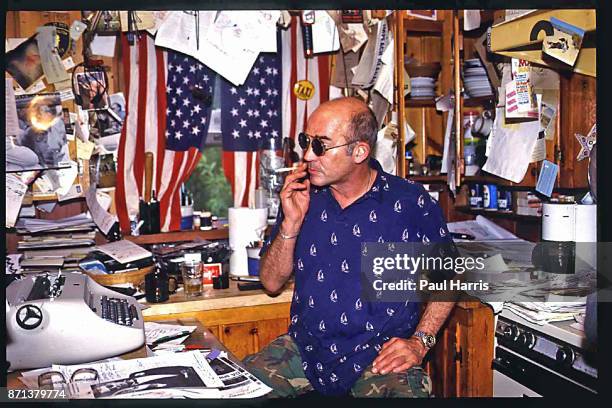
(511, 147)
(15, 191)
(49, 58)
(11, 122)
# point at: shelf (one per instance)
(499, 214)
(429, 179)
(420, 103)
(422, 26)
(221, 233)
(479, 101)
(493, 180)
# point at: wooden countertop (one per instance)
(214, 299)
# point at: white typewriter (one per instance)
(67, 318)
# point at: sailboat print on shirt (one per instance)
(405, 235)
(333, 296)
(343, 319)
(324, 216)
(310, 302)
(313, 250)
(320, 276)
(344, 266)
(421, 201)
(373, 217)
(397, 207)
(322, 326)
(369, 326)
(333, 348)
(356, 230)
(358, 304)
(333, 239)
(300, 264)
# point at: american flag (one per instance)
(240, 157)
(295, 68)
(156, 111)
(250, 114)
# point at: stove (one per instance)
(533, 360)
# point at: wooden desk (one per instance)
(201, 337)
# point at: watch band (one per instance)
(283, 236)
(428, 340)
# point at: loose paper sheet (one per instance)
(124, 251)
(15, 190)
(368, 70)
(103, 45)
(324, 33)
(511, 147)
(11, 123)
(101, 217)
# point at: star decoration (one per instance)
(586, 143)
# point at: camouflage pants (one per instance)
(279, 365)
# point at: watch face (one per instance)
(429, 340)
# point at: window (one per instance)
(210, 189)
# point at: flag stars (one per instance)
(172, 123)
(274, 133)
(263, 123)
(186, 102)
(203, 120)
(268, 92)
(185, 80)
(179, 91)
(256, 71)
(241, 101)
(257, 134)
(192, 69)
(174, 101)
(195, 130)
(269, 70)
(250, 134)
(233, 90)
(178, 135)
(274, 71)
(170, 67)
(168, 111)
(205, 78)
(179, 114)
(249, 91)
(197, 108)
(270, 113)
(236, 134)
(250, 112)
(256, 113)
(256, 92)
(234, 112)
(262, 102)
(243, 123)
(179, 69)
(274, 92)
(262, 81)
(185, 124)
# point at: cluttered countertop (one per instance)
(212, 299)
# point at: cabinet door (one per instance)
(268, 330)
(239, 338)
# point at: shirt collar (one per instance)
(374, 192)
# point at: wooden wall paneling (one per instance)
(577, 115)
(434, 131)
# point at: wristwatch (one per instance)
(429, 340)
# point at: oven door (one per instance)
(534, 377)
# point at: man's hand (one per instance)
(399, 355)
(295, 199)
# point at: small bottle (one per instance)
(154, 214)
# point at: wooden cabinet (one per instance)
(243, 330)
(460, 363)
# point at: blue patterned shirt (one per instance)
(338, 334)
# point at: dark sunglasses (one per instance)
(318, 147)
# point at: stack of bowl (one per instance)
(475, 80)
(423, 79)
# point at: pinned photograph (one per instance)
(104, 122)
(108, 22)
(23, 63)
(41, 142)
(117, 105)
(565, 42)
(92, 90)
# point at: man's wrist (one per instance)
(288, 231)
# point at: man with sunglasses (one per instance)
(339, 344)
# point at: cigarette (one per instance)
(285, 169)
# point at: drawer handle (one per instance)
(254, 330)
(226, 330)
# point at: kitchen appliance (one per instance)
(569, 236)
(531, 360)
(67, 318)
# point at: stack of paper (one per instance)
(51, 245)
(546, 312)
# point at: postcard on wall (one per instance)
(565, 42)
(24, 64)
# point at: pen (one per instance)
(171, 337)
